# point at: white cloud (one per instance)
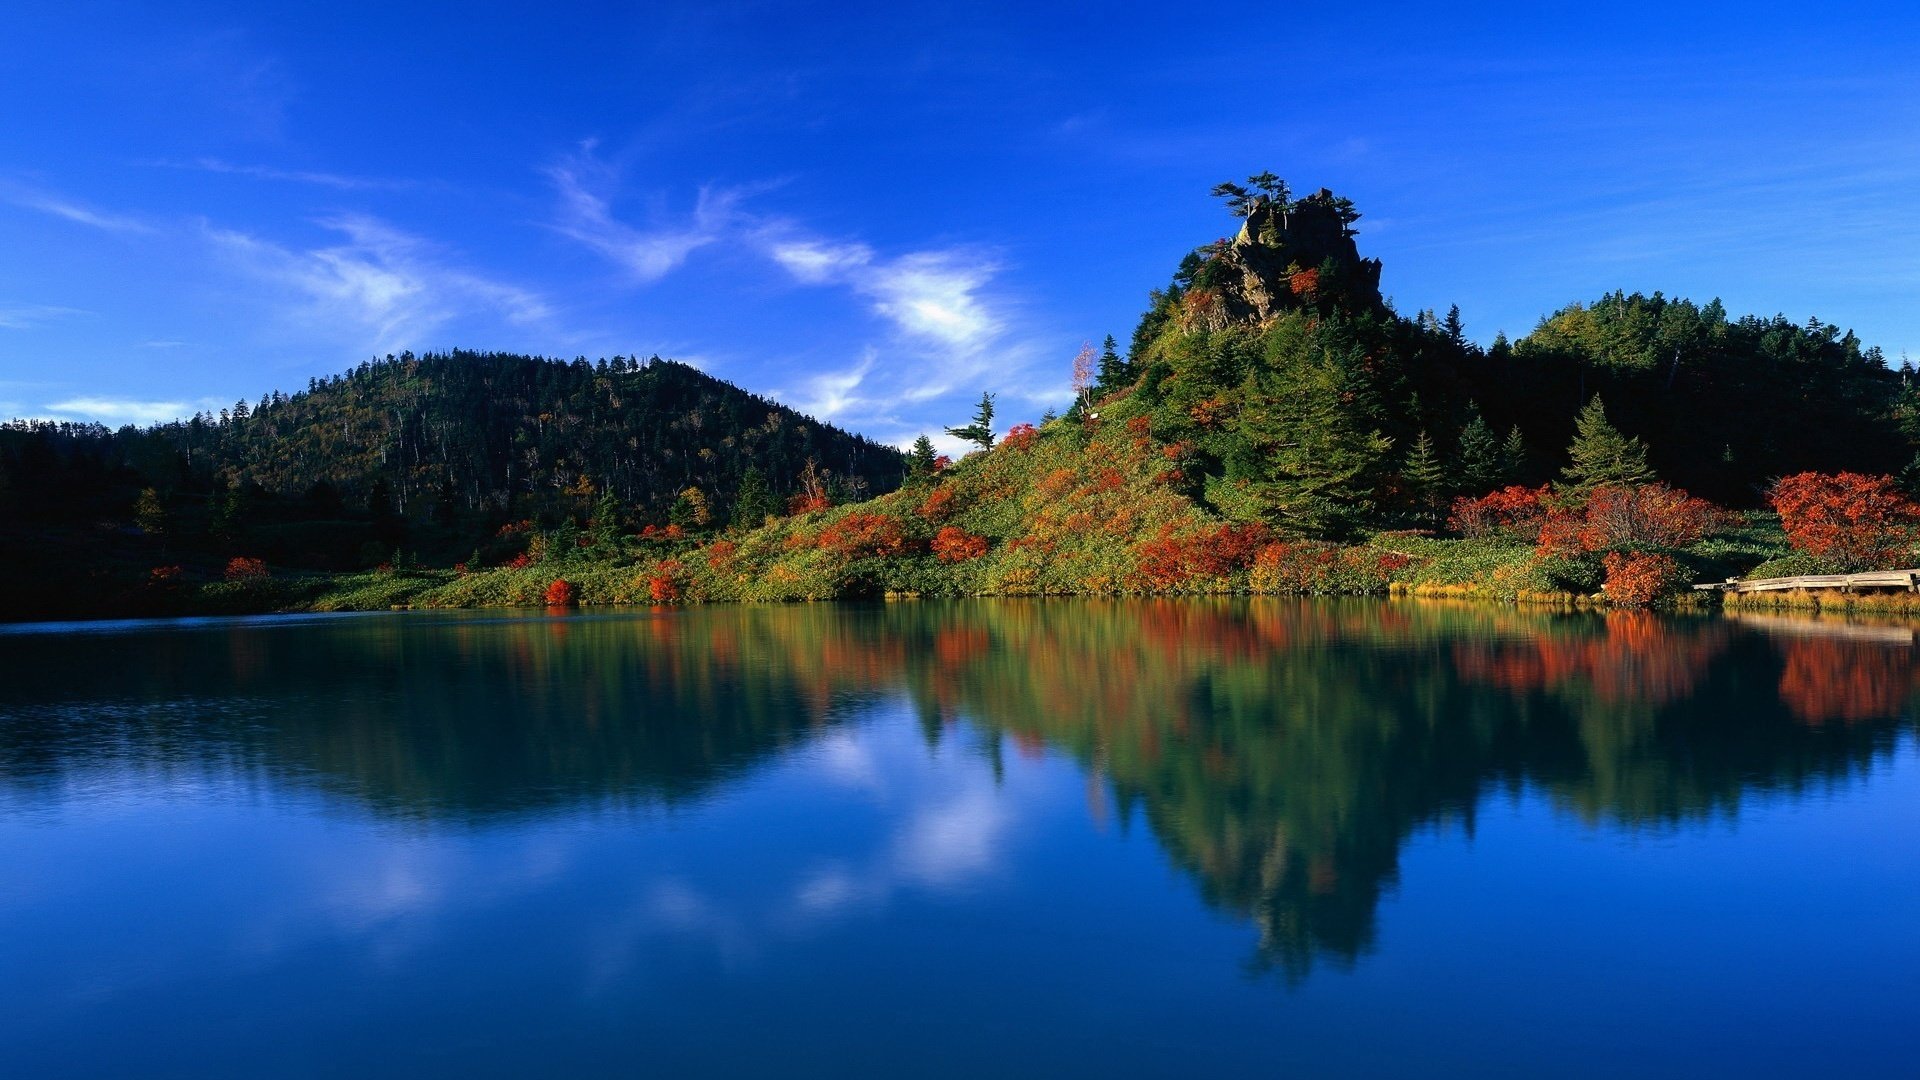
(394, 288)
(77, 212)
(586, 215)
(339, 181)
(27, 316)
(115, 411)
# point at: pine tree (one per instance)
(1513, 457)
(1114, 372)
(920, 459)
(149, 514)
(1312, 453)
(1425, 477)
(1480, 469)
(1602, 454)
(980, 432)
(753, 503)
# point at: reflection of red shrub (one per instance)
(562, 593)
(1848, 681)
(1636, 579)
(247, 570)
(1858, 521)
(954, 544)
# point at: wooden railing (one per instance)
(1873, 579)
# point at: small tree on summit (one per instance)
(1602, 455)
(980, 432)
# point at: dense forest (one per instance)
(1274, 425)
(422, 457)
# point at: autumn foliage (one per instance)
(1859, 522)
(1512, 511)
(1615, 516)
(562, 593)
(1020, 437)
(1636, 578)
(954, 544)
(864, 535)
(249, 570)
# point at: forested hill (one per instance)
(479, 432)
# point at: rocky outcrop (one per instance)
(1290, 254)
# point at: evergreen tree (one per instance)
(1425, 477)
(1513, 457)
(690, 509)
(980, 432)
(1480, 469)
(921, 458)
(1602, 454)
(1114, 372)
(753, 503)
(1312, 455)
(149, 514)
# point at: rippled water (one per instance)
(993, 838)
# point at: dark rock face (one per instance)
(1287, 255)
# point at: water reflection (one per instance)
(1281, 753)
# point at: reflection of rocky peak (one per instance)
(1293, 253)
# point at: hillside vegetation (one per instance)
(1275, 426)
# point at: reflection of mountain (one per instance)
(1282, 752)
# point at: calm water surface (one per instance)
(984, 839)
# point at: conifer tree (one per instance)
(1602, 454)
(980, 432)
(1480, 469)
(1425, 477)
(149, 514)
(1313, 454)
(1114, 371)
(753, 503)
(1513, 457)
(920, 459)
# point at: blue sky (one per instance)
(875, 212)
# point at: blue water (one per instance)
(994, 838)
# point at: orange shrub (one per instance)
(1305, 284)
(1858, 521)
(244, 569)
(954, 545)
(807, 504)
(161, 576)
(1636, 579)
(1020, 437)
(1620, 516)
(1512, 511)
(520, 561)
(663, 585)
(938, 505)
(863, 535)
(562, 593)
(720, 552)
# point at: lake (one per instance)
(994, 838)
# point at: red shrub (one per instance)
(1620, 516)
(1511, 511)
(663, 585)
(247, 570)
(942, 463)
(1305, 284)
(863, 535)
(1636, 579)
(1857, 521)
(938, 505)
(720, 552)
(460, 569)
(520, 561)
(562, 593)
(1020, 437)
(1139, 425)
(954, 544)
(807, 504)
(164, 576)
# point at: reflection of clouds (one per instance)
(954, 840)
(845, 758)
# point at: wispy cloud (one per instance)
(933, 295)
(395, 289)
(110, 410)
(338, 181)
(586, 215)
(27, 316)
(75, 211)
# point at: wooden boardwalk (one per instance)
(1908, 580)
